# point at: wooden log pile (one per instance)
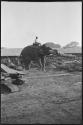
(65, 63)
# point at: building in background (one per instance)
(10, 56)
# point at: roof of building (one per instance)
(10, 51)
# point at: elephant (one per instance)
(35, 53)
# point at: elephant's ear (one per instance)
(41, 52)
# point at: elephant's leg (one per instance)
(28, 65)
(43, 60)
(23, 66)
(40, 63)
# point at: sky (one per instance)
(57, 22)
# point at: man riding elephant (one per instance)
(35, 53)
(36, 43)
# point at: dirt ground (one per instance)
(44, 98)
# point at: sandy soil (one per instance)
(47, 100)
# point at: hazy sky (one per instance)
(58, 22)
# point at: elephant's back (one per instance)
(30, 51)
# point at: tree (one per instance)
(71, 44)
(52, 45)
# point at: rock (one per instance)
(13, 88)
(9, 84)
